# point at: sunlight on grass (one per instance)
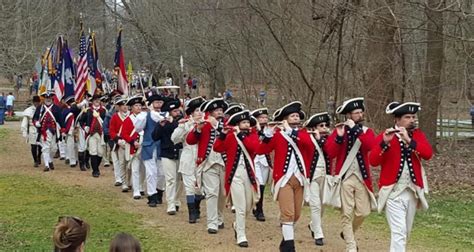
(30, 208)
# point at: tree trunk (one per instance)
(430, 91)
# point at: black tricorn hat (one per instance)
(170, 105)
(36, 99)
(350, 105)
(399, 109)
(120, 100)
(238, 117)
(316, 119)
(155, 97)
(215, 104)
(258, 112)
(69, 99)
(193, 104)
(253, 121)
(134, 100)
(290, 108)
(233, 109)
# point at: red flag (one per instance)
(120, 66)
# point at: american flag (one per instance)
(58, 81)
(82, 69)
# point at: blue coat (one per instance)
(148, 145)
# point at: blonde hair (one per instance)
(69, 233)
(124, 242)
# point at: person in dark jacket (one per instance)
(170, 153)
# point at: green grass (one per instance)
(30, 206)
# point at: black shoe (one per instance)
(117, 184)
(287, 246)
(312, 233)
(260, 216)
(177, 208)
(67, 161)
(125, 189)
(319, 242)
(137, 197)
(95, 174)
(142, 193)
(244, 244)
(159, 197)
(171, 212)
(62, 158)
(192, 213)
(73, 165)
(152, 200)
(46, 169)
(36, 164)
(221, 226)
(82, 167)
(88, 166)
(51, 166)
(211, 231)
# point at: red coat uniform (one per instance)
(205, 140)
(336, 147)
(228, 144)
(314, 157)
(129, 134)
(279, 145)
(391, 159)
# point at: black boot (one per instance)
(192, 212)
(152, 200)
(81, 157)
(34, 148)
(159, 197)
(86, 159)
(51, 166)
(95, 166)
(99, 160)
(287, 246)
(197, 204)
(259, 211)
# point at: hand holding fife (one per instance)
(388, 135)
(340, 129)
(317, 135)
(404, 135)
(213, 121)
(350, 123)
(286, 125)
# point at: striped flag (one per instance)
(120, 66)
(82, 69)
(58, 74)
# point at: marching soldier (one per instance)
(94, 127)
(263, 163)
(69, 115)
(241, 184)
(48, 120)
(349, 144)
(318, 127)
(187, 162)
(132, 140)
(118, 151)
(211, 163)
(150, 154)
(170, 153)
(29, 131)
(82, 135)
(402, 183)
(291, 147)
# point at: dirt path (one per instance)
(263, 236)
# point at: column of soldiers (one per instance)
(225, 154)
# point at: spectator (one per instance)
(228, 95)
(70, 234)
(189, 85)
(472, 115)
(169, 79)
(124, 242)
(2, 108)
(263, 97)
(19, 82)
(10, 100)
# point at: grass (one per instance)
(30, 207)
(448, 225)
